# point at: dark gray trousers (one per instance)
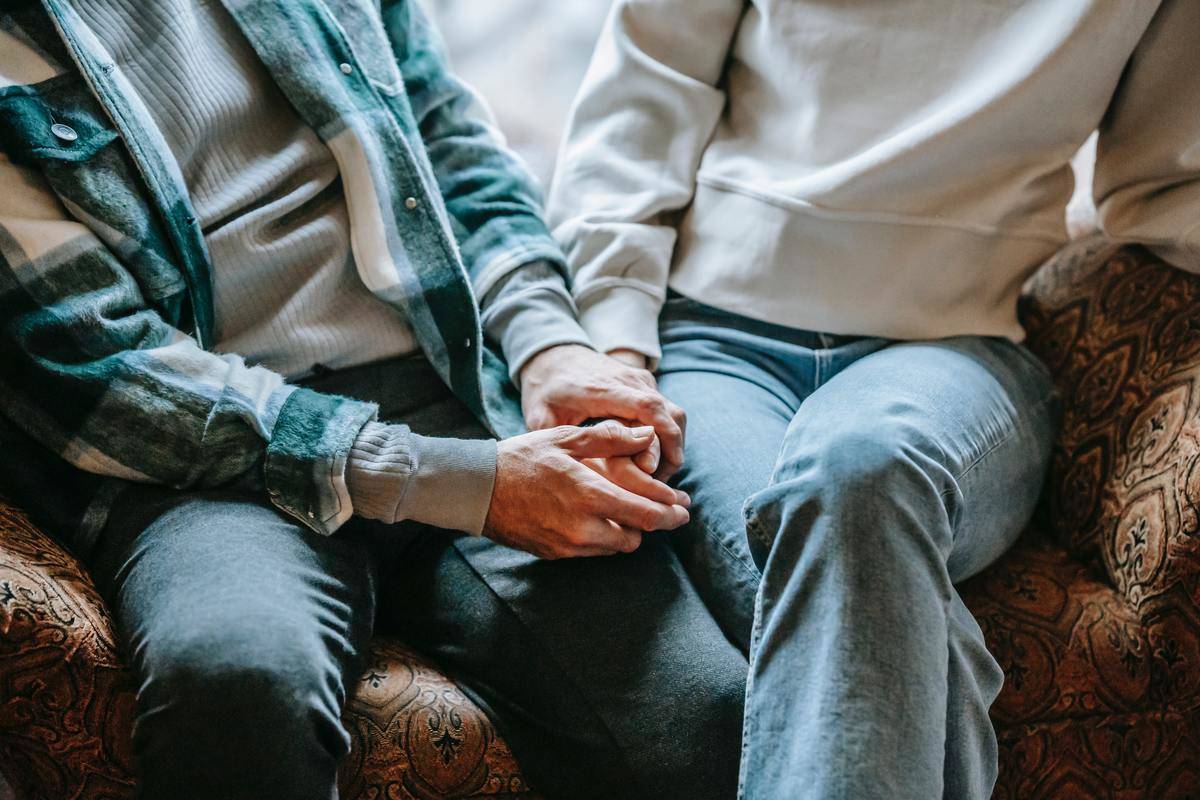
(607, 676)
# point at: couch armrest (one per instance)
(1120, 329)
(66, 704)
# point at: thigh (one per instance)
(735, 427)
(217, 578)
(606, 675)
(978, 412)
(740, 382)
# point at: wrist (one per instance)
(543, 362)
(630, 358)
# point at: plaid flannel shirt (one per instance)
(106, 310)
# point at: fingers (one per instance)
(624, 473)
(634, 511)
(651, 408)
(648, 460)
(603, 537)
(539, 418)
(590, 538)
(609, 438)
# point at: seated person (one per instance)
(245, 378)
(815, 219)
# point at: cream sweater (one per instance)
(894, 169)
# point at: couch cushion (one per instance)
(66, 699)
(1146, 756)
(1070, 645)
(1120, 329)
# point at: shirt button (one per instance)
(345, 68)
(64, 132)
(467, 344)
(410, 203)
(311, 515)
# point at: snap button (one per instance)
(345, 68)
(64, 132)
(311, 515)
(467, 343)
(410, 203)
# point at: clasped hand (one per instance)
(565, 491)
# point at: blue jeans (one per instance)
(247, 632)
(841, 487)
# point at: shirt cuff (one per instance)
(622, 318)
(544, 319)
(394, 474)
(307, 456)
(528, 312)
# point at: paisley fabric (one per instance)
(1094, 615)
(66, 699)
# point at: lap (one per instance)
(976, 413)
(758, 398)
(615, 657)
(599, 671)
(735, 428)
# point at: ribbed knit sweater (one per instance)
(268, 196)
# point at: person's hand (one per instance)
(569, 384)
(546, 501)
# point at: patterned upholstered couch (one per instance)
(1095, 615)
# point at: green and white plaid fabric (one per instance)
(106, 308)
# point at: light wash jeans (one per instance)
(841, 487)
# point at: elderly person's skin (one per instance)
(573, 510)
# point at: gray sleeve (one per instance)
(528, 311)
(394, 474)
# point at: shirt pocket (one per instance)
(54, 124)
(57, 129)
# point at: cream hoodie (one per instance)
(891, 168)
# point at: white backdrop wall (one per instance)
(527, 58)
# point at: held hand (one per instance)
(548, 502)
(569, 384)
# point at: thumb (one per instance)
(608, 439)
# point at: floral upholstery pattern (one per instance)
(1094, 615)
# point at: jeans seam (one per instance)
(712, 534)
(755, 634)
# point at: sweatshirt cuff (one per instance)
(452, 487)
(622, 318)
(394, 474)
(542, 320)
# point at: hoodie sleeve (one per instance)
(648, 107)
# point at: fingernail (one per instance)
(685, 499)
(643, 432)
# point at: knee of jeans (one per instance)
(242, 695)
(858, 471)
